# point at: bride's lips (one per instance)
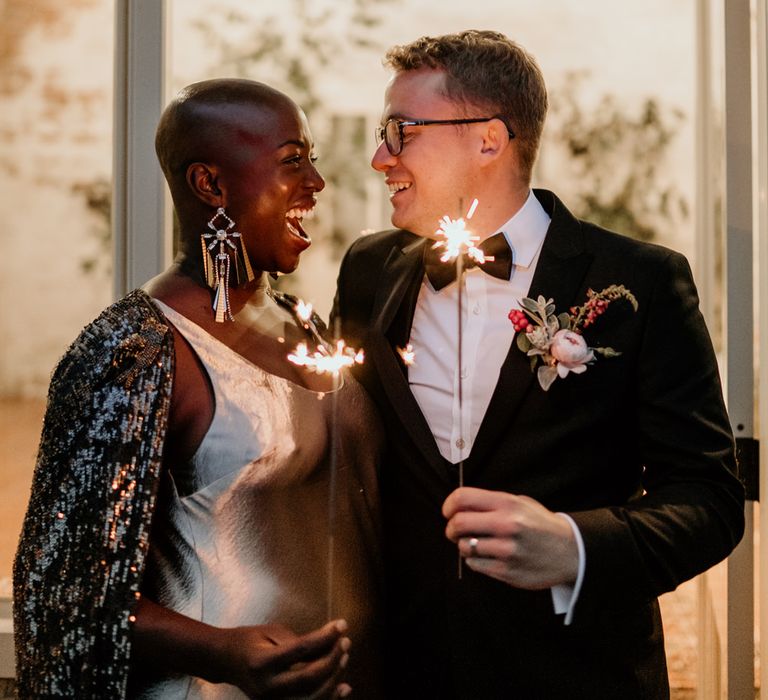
(294, 218)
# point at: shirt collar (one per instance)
(526, 230)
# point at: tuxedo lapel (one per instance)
(563, 262)
(559, 275)
(392, 316)
(396, 296)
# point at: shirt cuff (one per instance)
(564, 596)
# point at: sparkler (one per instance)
(323, 361)
(407, 354)
(457, 239)
(329, 360)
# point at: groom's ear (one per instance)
(495, 139)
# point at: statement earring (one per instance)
(217, 266)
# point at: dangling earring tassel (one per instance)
(207, 264)
(238, 274)
(221, 299)
(246, 263)
(246, 260)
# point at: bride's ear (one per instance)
(203, 180)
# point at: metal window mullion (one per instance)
(739, 325)
(138, 207)
(710, 628)
(760, 172)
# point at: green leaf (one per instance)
(564, 319)
(529, 305)
(607, 352)
(553, 325)
(523, 343)
(546, 375)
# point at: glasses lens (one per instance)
(392, 137)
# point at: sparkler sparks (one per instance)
(407, 354)
(322, 361)
(457, 239)
(303, 310)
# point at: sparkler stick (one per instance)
(325, 360)
(460, 362)
(332, 485)
(458, 240)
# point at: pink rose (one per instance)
(571, 352)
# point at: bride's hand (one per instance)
(271, 661)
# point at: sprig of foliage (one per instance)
(553, 342)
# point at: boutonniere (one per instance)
(555, 342)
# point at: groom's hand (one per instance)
(512, 538)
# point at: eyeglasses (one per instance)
(392, 132)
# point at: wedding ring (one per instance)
(473, 542)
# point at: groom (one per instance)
(594, 480)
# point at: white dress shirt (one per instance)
(487, 334)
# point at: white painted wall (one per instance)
(55, 131)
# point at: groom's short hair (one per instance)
(487, 70)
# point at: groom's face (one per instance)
(437, 171)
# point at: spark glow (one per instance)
(322, 361)
(457, 239)
(303, 310)
(407, 354)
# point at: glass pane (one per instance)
(55, 170)
(635, 175)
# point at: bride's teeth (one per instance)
(397, 186)
(299, 213)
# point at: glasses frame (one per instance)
(382, 131)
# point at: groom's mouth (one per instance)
(396, 187)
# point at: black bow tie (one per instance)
(441, 274)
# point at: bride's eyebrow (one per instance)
(294, 142)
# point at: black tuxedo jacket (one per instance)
(638, 450)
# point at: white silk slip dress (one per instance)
(240, 535)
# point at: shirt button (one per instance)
(460, 443)
(476, 309)
(464, 373)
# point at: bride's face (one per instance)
(270, 181)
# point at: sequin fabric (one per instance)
(85, 537)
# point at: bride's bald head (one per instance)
(214, 120)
